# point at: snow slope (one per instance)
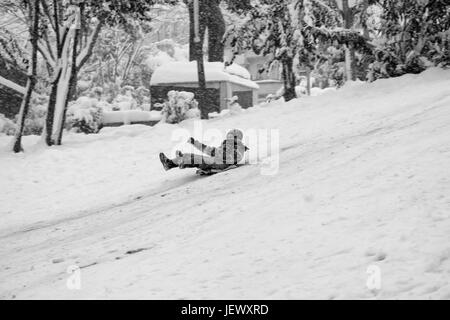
(363, 183)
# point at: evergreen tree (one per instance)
(270, 30)
(414, 35)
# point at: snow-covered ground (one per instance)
(363, 186)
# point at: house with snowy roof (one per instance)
(222, 83)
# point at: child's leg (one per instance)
(166, 162)
(191, 160)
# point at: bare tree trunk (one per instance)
(31, 83)
(61, 100)
(349, 50)
(366, 33)
(197, 31)
(51, 110)
(72, 86)
(308, 81)
(216, 30)
(196, 50)
(288, 79)
(349, 62)
(58, 71)
(211, 17)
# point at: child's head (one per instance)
(235, 133)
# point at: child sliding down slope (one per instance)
(229, 153)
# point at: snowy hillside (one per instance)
(363, 184)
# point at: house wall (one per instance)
(247, 97)
(225, 93)
(267, 87)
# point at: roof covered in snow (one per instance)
(182, 72)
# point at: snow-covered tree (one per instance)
(342, 23)
(116, 53)
(69, 31)
(413, 35)
(270, 29)
(212, 20)
(169, 22)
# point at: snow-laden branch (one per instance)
(46, 54)
(47, 12)
(334, 12)
(12, 85)
(90, 43)
(342, 36)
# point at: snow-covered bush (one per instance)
(85, 115)
(104, 105)
(7, 126)
(234, 106)
(125, 100)
(96, 92)
(142, 95)
(271, 97)
(35, 120)
(180, 106)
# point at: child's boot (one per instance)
(166, 162)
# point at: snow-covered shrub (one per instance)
(142, 96)
(83, 86)
(105, 106)
(301, 90)
(125, 100)
(7, 126)
(85, 115)
(180, 106)
(389, 63)
(96, 92)
(271, 97)
(158, 106)
(222, 114)
(234, 106)
(35, 120)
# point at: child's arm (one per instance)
(202, 147)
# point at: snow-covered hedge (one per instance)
(85, 115)
(6, 126)
(130, 116)
(180, 106)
